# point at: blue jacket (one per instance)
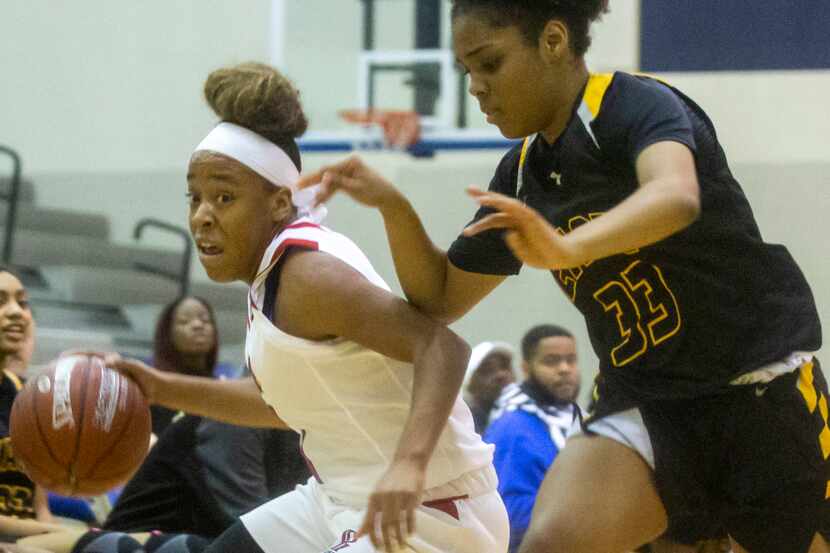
(527, 435)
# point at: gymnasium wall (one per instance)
(102, 100)
(713, 35)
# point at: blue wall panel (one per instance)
(734, 35)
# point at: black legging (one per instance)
(119, 542)
(235, 539)
(176, 543)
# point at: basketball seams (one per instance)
(72, 459)
(41, 434)
(73, 478)
(117, 441)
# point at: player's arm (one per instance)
(321, 297)
(428, 279)
(62, 541)
(666, 201)
(18, 527)
(41, 505)
(232, 401)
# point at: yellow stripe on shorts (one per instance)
(805, 386)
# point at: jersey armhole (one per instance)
(272, 281)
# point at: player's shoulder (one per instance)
(507, 171)
(301, 230)
(626, 91)
(308, 236)
(637, 83)
(514, 153)
(509, 162)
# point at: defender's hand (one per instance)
(528, 235)
(356, 179)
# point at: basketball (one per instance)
(80, 428)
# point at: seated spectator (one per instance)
(530, 421)
(202, 474)
(18, 362)
(7, 548)
(198, 478)
(489, 370)
(186, 341)
(24, 508)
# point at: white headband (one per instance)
(264, 158)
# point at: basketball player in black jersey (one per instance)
(710, 403)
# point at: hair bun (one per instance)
(258, 97)
(590, 9)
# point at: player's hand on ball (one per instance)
(90, 353)
(147, 378)
(356, 179)
(390, 518)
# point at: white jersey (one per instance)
(348, 403)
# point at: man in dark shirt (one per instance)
(203, 474)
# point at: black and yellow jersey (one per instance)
(682, 317)
(17, 491)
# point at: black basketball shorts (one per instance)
(752, 461)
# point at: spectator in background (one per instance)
(530, 421)
(186, 341)
(6, 548)
(18, 362)
(24, 508)
(203, 474)
(489, 370)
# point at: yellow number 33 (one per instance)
(645, 308)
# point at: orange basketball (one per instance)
(80, 428)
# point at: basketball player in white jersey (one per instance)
(370, 383)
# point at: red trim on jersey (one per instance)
(287, 243)
(303, 224)
(446, 505)
(293, 242)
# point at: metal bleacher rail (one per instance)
(11, 196)
(90, 291)
(183, 275)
